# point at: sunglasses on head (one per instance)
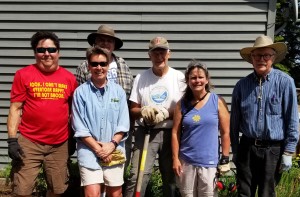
(95, 64)
(43, 50)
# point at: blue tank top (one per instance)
(199, 143)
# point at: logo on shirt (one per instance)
(114, 100)
(159, 94)
(112, 73)
(196, 118)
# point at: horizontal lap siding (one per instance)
(210, 30)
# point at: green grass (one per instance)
(289, 185)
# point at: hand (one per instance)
(223, 165)
(286, 163)
(148, 114)
(71, 142)
(107, 149)
(98, 150)
(107, 159)
(177, 167)
(117, 157)
(14, 150)
(161, 114)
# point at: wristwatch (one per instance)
(115, 143)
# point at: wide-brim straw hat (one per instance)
(108, 31)
(265, 42)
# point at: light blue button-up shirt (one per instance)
(98, 116)
(268, 111)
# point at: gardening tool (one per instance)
(143, 160)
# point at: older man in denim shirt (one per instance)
(265, 110)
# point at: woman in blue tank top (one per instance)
(195, 144)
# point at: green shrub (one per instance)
(154, 188)
(5, 173)
(227, 180)
(289, 185)
(40, 188)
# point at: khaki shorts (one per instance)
(197, 181)
(110, 176)
(52, 157)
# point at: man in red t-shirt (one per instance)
(40, 98)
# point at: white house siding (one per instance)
(210, 30)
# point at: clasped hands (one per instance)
(153, 115)
(104, 151)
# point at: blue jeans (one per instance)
(257, 168)
(159, 143)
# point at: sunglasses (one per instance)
(265, 56)
(43, 50)
(95, 64)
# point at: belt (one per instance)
(262, 143)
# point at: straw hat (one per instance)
(108, 31)
(265, 42)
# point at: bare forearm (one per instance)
(13, 120)
(118, 137)
(175, 145)
(91, 143)
(136, 113)
(225, 143)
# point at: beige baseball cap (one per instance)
(158, 42)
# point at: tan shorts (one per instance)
(197, 181)
(110, 176)
(54, 159)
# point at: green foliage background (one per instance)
(290, 34)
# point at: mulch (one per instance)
(5, 189)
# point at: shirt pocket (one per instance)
(274, 105)
(113, 112)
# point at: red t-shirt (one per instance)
(46, 99)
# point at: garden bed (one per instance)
(5, 189)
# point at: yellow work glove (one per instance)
(148, 114)
(161, 114)
(116, 159)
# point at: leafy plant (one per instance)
(227, 180)
(154, 188)
(40, 188)
(289, 185)
(5, 173)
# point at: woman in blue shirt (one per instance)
(100, 119)
(195, 145)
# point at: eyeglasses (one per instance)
(265, 56)
(43, 50)
(159, 52)
(95, 64)
(102, 39)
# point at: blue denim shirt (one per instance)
(98, 116)
(268, 111)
